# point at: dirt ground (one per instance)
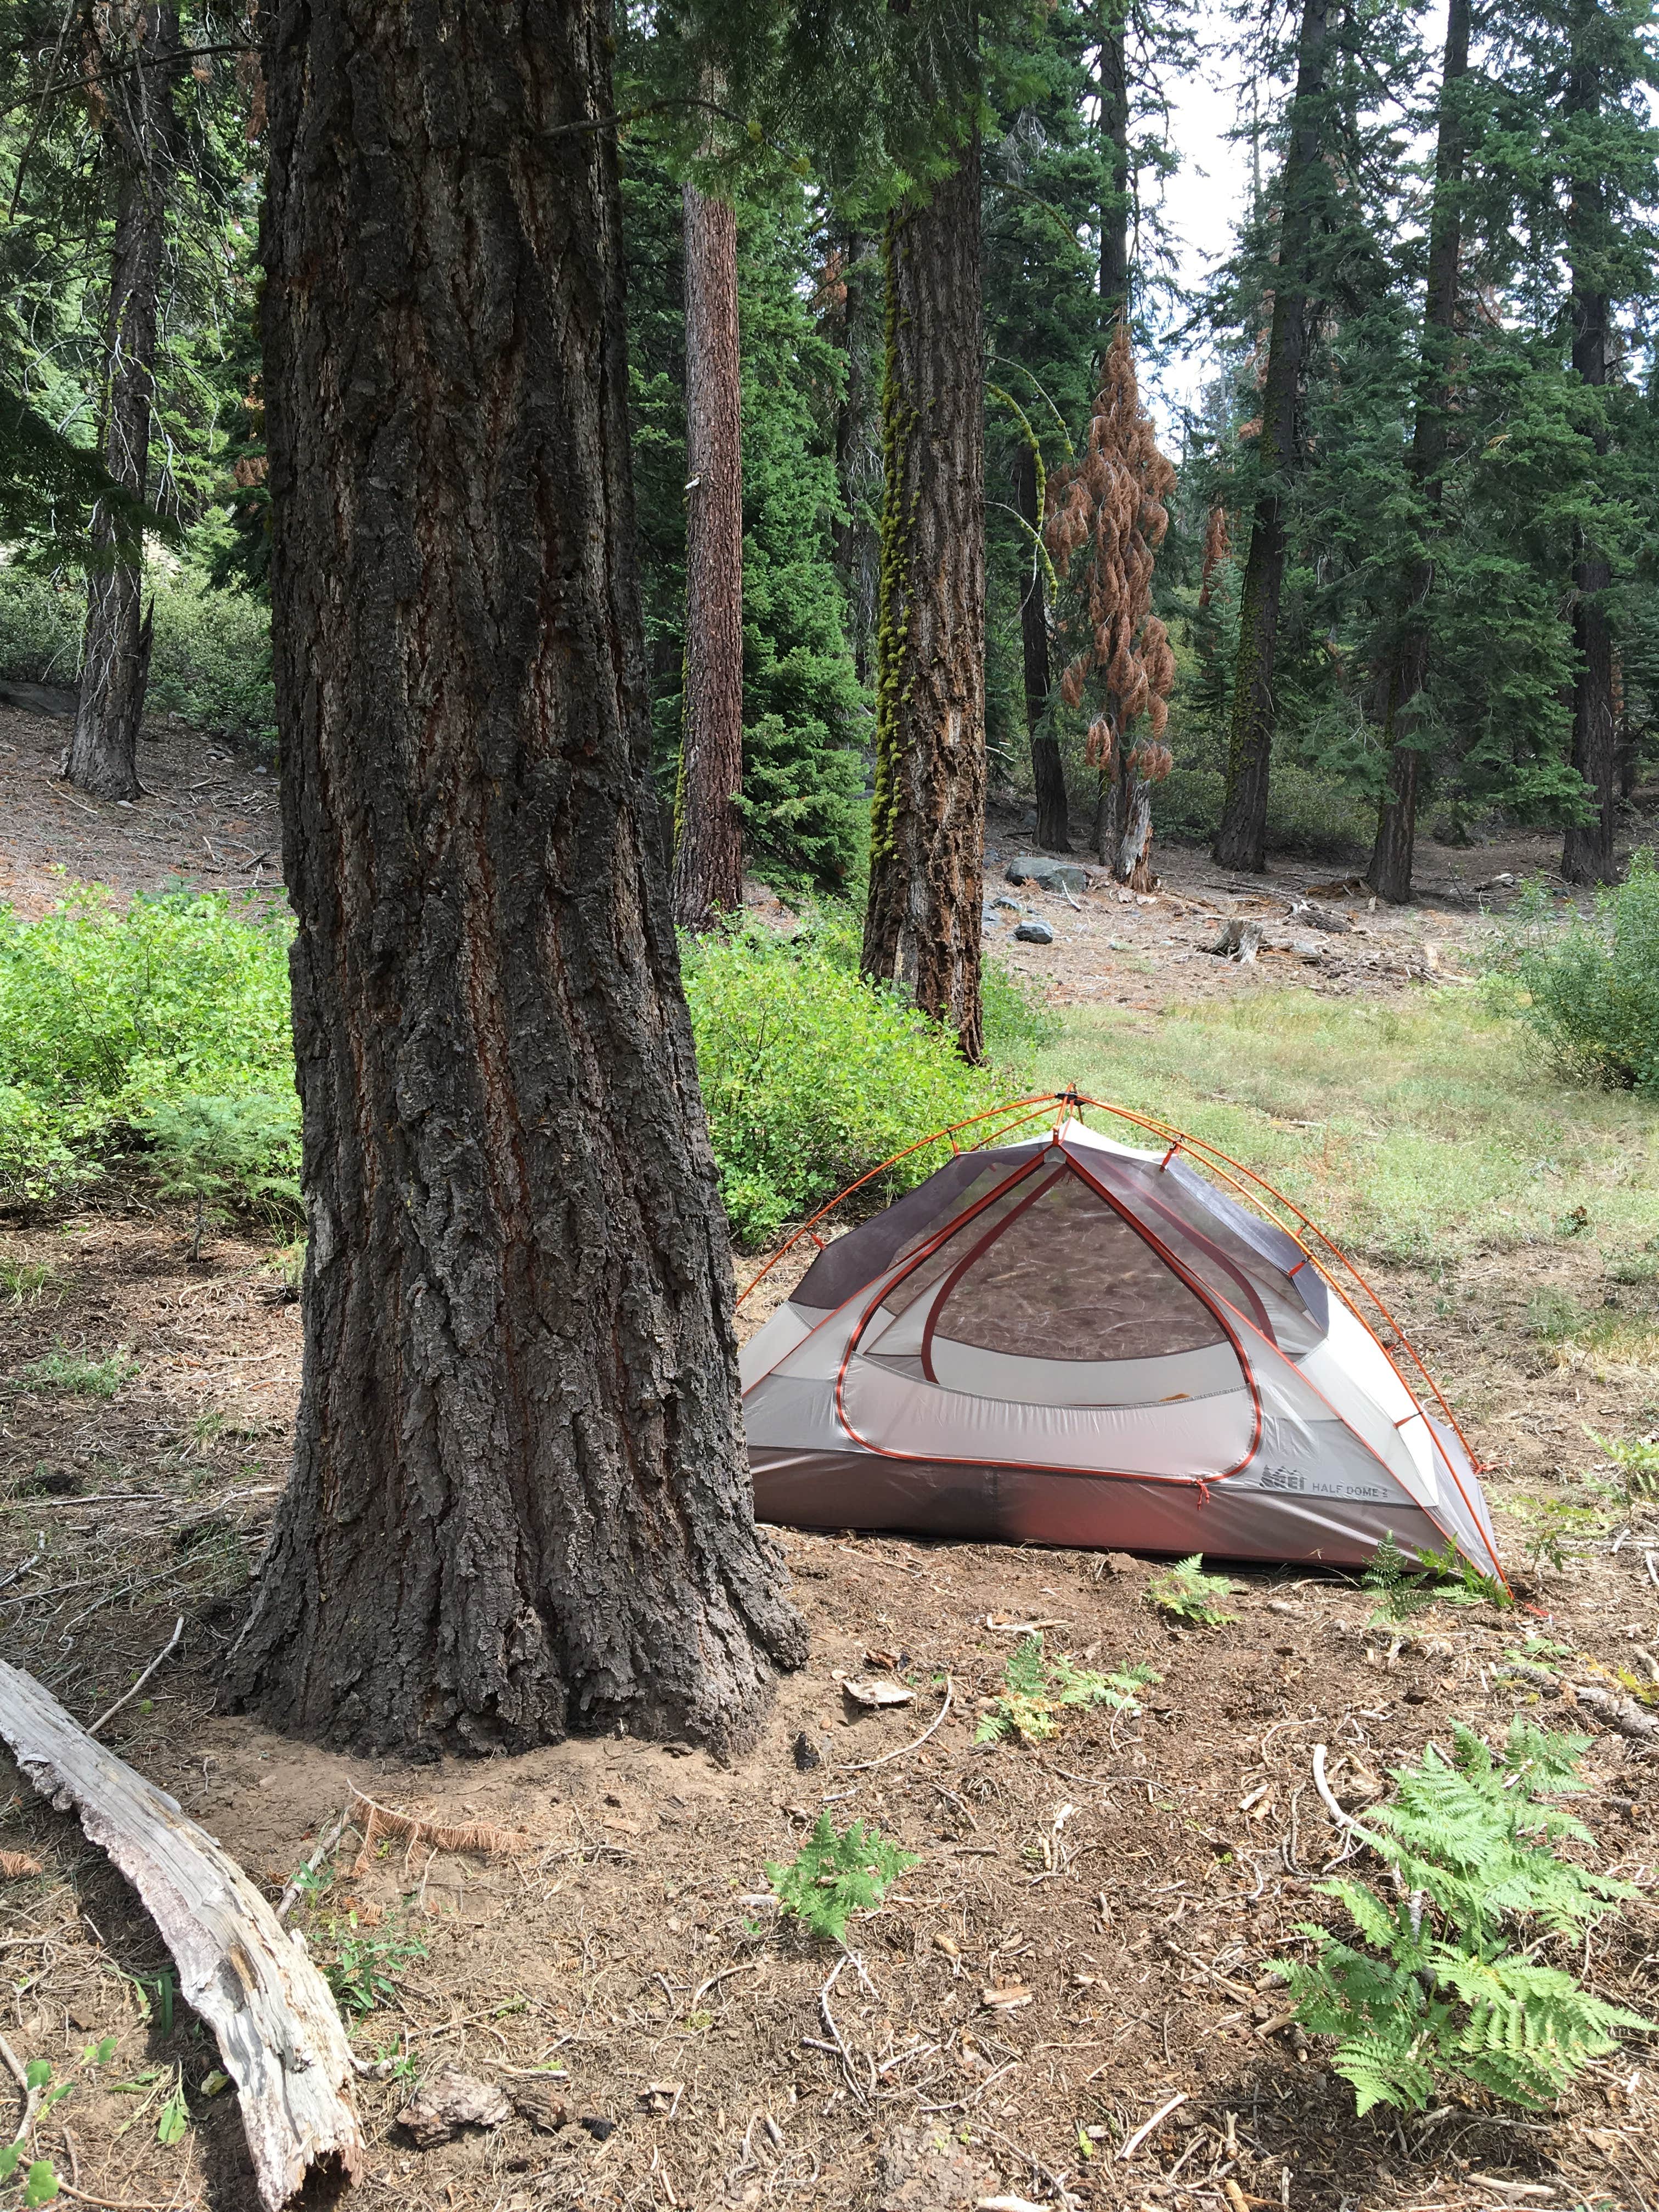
(1083, 1944)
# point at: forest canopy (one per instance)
(1411, 499)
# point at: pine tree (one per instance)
(1241, 838)
(927, 815)
(1110, 507)
(138, 54)
(708, 816)
(520, 1378)
(1390, 871)
(804, 715)
(1601, 139)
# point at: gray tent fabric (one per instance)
(1070, 1342)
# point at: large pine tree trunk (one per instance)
(1114, 95)
(141, 145)
(927, 815)
(518, 1502)
(1587, 849)
(708, 845)
(854, 326)
(1240, 840)
(1390, 871)
(1054, 828)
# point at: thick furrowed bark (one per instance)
(1241, 841)
(517, 1501)
(1054, 828)
(141, 145)
(927, 816)
(709, 841)
(1587, 849)
(1588, 854)
(1390, 871)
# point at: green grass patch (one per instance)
(1429, 1127)
(77, 1376)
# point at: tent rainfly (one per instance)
(1065, 1340)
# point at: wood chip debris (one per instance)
(1006, 1996)
(449, 2101)
(875, 1693)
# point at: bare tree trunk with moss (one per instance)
(518, 1504)
(139, 49)
(1390, 871)
(854, 324)
(1054, 827)
(708, 826)
(927, 815)
(1240, 840)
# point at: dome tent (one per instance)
(1064, 1340)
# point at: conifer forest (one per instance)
(829, 1105)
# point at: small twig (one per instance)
(863, 1765)
(114, 2203)
(1342, 1819)
(17, 1574)
(337, 1829)
(833, 2033)
(1649, 1559)
(1055, 2181)
(748, 1967)
(126, 1697)
(1141, 2133)
(19, 2074)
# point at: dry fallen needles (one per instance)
(436, 1835)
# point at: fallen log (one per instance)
(278, 2028)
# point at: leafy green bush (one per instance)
(40, 624)
(210, 662)
(833, 1876)
(1476, 1850)
(209, 1149)
(209, 658)
(1037, 1689)
(1592, 989)
(1309, 813)
(1637, 1459)
(1405, 1586)
(811, 1078)
(105, 1014)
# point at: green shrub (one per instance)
(209, 1149)
(210, 661)
(1185, 1592)
(77, 1375)
(1637, 1459)
(105, 1014)
(1475, 1849)
(1405, 1586)
(1313, 814)
(1592, 989)
(811, 1078)
(40, 624)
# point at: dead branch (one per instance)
(127, 1696)
(278, 2031)
(469, 1836)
